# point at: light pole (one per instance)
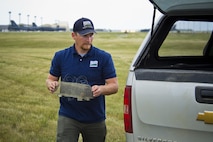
(28, 20)
(41, 21)
(19, 18)
(9, 16)
(35, 19)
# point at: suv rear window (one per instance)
(188, 38)
(180, 43)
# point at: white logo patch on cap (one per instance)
(87, 24)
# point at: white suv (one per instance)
(169, 89)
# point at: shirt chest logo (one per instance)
(93, 64)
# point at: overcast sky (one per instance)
(107, 14)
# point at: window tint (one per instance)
(187, 38)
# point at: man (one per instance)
(85, 64)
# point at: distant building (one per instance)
(60, 26)
(3, 28)
(64, 24)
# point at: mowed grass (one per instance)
(28, 112)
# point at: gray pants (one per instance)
(69, 130)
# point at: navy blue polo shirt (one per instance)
(93, 69)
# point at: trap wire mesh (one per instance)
(76, 90)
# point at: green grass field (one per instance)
(28, 112)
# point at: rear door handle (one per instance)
(204, 94)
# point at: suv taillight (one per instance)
(128, 109)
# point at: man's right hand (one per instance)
(52, 83)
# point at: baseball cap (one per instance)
(83, 26)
